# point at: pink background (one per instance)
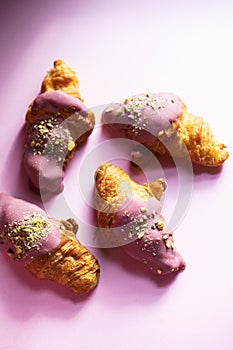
(119, 48)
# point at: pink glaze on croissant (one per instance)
(152, 243)
(57, 101)
(51, 138)
(25, 229)
(142, 117)
(45, 174)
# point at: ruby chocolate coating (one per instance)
(143, 117)
(55, 101)
(45, 174)
(145, 236)
(49, 140)
(25, 228)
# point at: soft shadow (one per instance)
(14, 178)
(25, 296)
(214, 171)
(12, 22)
(206, 176)
(166, 161)
(134, 267)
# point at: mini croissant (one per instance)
(56, 123)
(47, 247)
(161, 122)
(129, 213)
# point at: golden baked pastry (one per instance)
(130, 216)
(62, 77)
(70, 264)
(161, 122)
(56, 123)
(47, 247)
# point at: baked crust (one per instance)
(191, 135)
(129, 215)
(59, 102)
(161, 122)
(70, 264)
(62, 77)
(113, 185)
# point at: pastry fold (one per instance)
(46, 247)
(161, 122)
(129, 215)
(191, 135)
(57, 122)
(62, 77)
(70, 264)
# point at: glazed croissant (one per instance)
(48, 248)
(161, 122)
(56, 123)
(129, 215)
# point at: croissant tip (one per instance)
(57, 63)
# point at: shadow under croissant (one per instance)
(23, 279)
(199, 169)
(70, 264)
(136, 267)
(17, 178)
(45, 274)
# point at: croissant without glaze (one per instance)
(56, 123)
(130, 214)
(48, 248)
(161, 122)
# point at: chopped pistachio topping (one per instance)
(71, 145)
(50, 138)
(140, 235)
(109, 109)
(119, 111)
(25, 235)
(167, 244)
(159, 225)
(133, 108)
(160, 133)
(139, 225)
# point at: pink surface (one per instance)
(119, 49)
